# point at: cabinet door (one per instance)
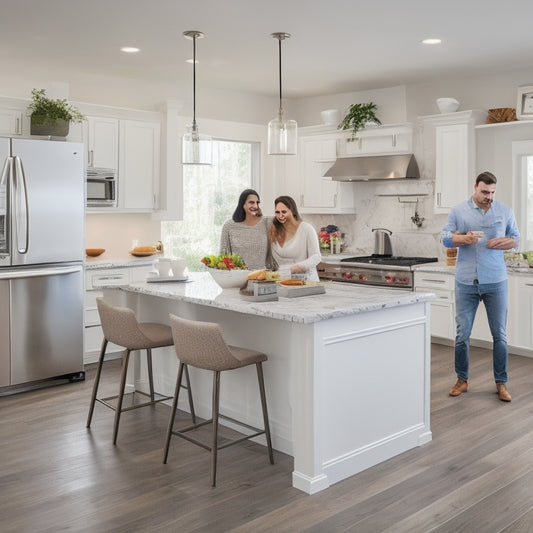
(102, 142)
(381, 140)
(520, 318)
(139, 164)
(316, 156)
(453, 166)
(10, 121)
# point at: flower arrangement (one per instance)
(329, 237)
(224, 262)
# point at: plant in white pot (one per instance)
(51, 117)
(358, 116)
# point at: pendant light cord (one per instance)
(279, 43)
(194, 81)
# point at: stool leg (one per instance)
(261, 381)
(150, 373)
(214, 414)
(118, 409)
(189, 392)
(96, 381)
(173, 411)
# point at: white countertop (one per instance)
(339, 300)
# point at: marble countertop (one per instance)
(338, 301)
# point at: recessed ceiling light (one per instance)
(191, 61)
(431, 41)
(130, 49)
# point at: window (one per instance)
(210, 195)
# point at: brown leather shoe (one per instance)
(503, 393)
(460, 387)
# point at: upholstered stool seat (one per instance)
(201, 345)
(120, 326)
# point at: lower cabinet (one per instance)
(94, 281)
(443, 307)
(520, 315)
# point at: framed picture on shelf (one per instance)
(524, 105)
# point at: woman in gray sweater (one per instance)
(246, 233)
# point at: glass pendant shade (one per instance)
(282, 133)
(282, 136)
(196, 148)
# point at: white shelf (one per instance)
(513, 123)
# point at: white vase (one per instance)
(330, 117)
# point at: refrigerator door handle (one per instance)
(21, 179)
(38, 273)
(6, 169)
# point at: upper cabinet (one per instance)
(455, 157)
(102, 142)
(132, 148)
(380, 140)
(319, 147)
(139, 160)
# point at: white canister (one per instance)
(162, 265)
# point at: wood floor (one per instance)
(475, 476)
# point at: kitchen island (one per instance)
(347, 376)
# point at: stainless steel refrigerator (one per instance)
(42, 231)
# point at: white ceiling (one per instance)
(336, 45)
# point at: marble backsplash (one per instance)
(394, 209)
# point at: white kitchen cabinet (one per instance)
(443, 307)
(95, 280)
(454, 156)
(102, 142)
(139, 162)
(313, 192)
(11, 121)
(520, 316)
(389, 139)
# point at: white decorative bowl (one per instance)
(228, 279)
(330, 117)
(447, 105)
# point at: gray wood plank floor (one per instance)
(55, 475)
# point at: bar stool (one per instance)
(201, 345)
(122, 328)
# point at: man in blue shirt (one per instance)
(481, 228)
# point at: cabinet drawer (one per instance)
(106, 278)
(434, 280)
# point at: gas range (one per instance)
(375, 270)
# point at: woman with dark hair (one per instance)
(294, 242)
(246, 233)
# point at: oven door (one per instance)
(384, 277)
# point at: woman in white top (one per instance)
(246, 233)
(294, 243)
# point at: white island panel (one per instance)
(347, 375)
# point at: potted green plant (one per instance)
(51, 117)
(358, 116)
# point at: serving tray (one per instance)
(293, 291)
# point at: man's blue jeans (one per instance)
(467, 298)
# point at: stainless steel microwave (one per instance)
(101, 187)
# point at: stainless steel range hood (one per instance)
(374, 167)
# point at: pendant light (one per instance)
(282, 133)
(197, 149)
